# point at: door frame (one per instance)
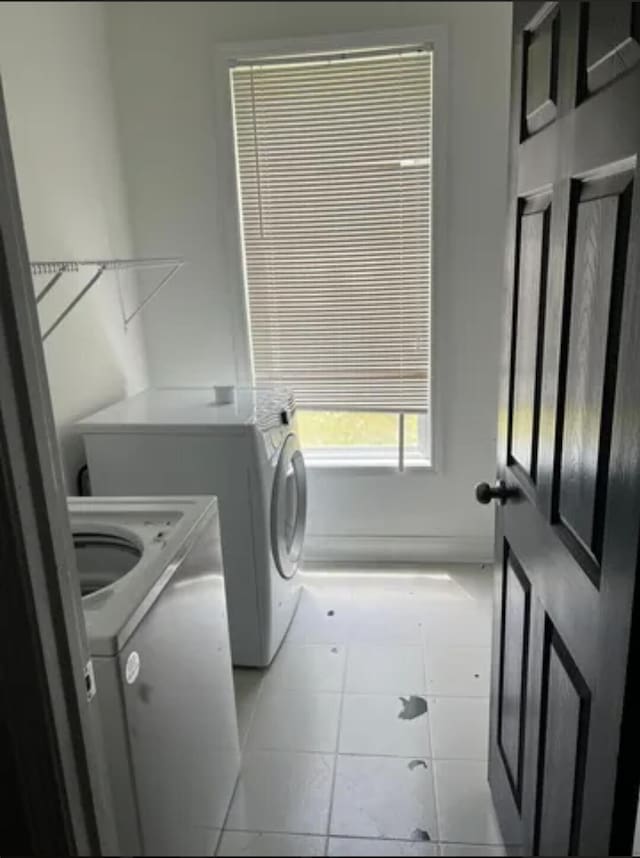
(51, 722)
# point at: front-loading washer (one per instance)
(152, 583)
(181, 441)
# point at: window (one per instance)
(364, 438)
(334, 176)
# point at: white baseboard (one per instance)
(397, 549)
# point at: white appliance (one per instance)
(183, 441)
(154, 602)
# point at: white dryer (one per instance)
(180, 441)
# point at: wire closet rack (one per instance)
(58, 269)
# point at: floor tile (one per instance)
(457, 626)
(319, 667)
(295, 721)
(240, 843)
(381, 620)
(459, 727)
(475, 579)
(371, 724)
(344, 847)
(411, 584)
(465, 809)
(432, 586)
(205, 843)
(385, 669)
(283, 792)
(458, 849)
(321, 619)
(328, 583)
(383, 797)
(340, 592)
(458, 671)
(248, 684)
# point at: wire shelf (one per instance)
(58, 268)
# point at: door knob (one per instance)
(500, 492)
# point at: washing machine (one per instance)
(247, 453)
(154, 603)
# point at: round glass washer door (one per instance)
(289, 508)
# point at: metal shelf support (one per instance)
(169, 276)
(59, 268)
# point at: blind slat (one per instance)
(334, 163)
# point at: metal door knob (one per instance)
(500, 492)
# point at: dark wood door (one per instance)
(563, 763)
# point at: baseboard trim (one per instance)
(397, 549)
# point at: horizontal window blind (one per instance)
(334, 161)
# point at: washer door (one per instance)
(289, 508)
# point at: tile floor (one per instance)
(333, 762)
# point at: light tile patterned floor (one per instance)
(333, 764)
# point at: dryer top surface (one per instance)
(193, 409)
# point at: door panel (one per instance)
(541, 73)
(562, 750)
(563, 765)
(602, 230)
(530, 302)
(610, 35)
(513, 685)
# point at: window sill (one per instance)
(365, 465)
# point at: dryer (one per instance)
(154, 604)
(247, 453)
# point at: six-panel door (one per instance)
(562, 768)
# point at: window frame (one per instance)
(230, 222)
(376, 457)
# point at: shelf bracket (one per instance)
(61, 270)
(75, 301)
(169, 276)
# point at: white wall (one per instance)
(163, 58)
(55, 72)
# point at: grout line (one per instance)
(243, 747)
(253, 713)
(391, 692)
(432, 769)
(368, 837)
(394, 692)
(360, 754)
(229, 806)
(406, 758)
(337, 750)
(436, 801)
